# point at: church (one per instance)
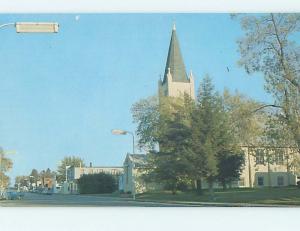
(257, 171)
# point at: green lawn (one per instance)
(278, 196)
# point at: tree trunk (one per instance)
(224, 185)
(211, 191)
(199, 187)
(174, 191)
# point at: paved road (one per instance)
(60, 200)
(41, 200)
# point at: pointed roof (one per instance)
(175, 61)
(139, 160)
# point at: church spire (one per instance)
(175, 61)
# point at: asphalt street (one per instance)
(61, 200)
(42, 200)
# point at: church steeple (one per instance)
(175, 61)
(175, 83)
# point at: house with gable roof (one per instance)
(132, 180)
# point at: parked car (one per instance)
(13, 195)
(20, 195)
(2, 195)
(47, 191)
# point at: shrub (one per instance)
(97, 183)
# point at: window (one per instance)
(242, 181)
(279, 158)
(260, 181)
(260, 156)
(280, 181)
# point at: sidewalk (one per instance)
(217, 204)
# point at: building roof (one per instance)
(94, 167)
(139, 160)
(88, 167)
(175, 61)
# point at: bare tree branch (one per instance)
(264, 106)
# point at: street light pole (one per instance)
(7, 24)
(133, 145)
(133, 189)
(124, 132)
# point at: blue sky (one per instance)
(61, 94)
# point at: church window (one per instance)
(279, 157)
(260, 156)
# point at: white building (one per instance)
(135, 166)
(269, 166)
(264, 167)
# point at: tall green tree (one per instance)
(67, 161)
(212, 139)
(48, 173)
(190, 142)
(230, 166)
(171, 164)
(270, 46)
